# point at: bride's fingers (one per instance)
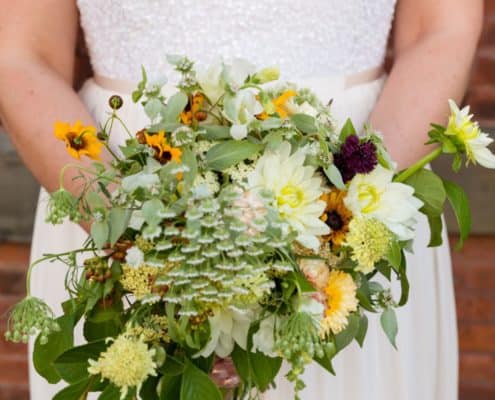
(224, 373)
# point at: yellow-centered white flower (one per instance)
(296, 189)
(469, 134)
(374, 195)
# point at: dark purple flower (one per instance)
(355, 157)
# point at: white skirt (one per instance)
(425, 366)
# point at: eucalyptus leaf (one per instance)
(153, 108)
(344, 338)
(151, 210)
(100, 232)
(197, 385)
(175, 106)
(189, 160)
(231, 152)
(118, 219)
(334, 176)
(388, 320)
(216, 132)
(460, 204)
(363, 329)
(305, 123)
(271, 123)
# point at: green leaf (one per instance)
(118, 219)
(111, 392)
(344, 338)
(301, 282)
(326, 360)
(225, 154)
(102, 323)
(363, 329)
(264, 369)
(364, 296)
(435, 223)
(44, 355)
(460, 204)
(172, 367)
(428, 187)
(170, 386)
(271, 123)
(334, 176)
(76, 391)
(388, 320)
(189, 159)
(175, 106)
(347, 130)
(153, 108)
(197, 385)
(305, 123)
(149, 389)
(404, 282)
(151, 210)
(100, 232)
(94, 200)
(241, 362)
(394, 255)
(72, 365)
(216, 132)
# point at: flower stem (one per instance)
(407, 173)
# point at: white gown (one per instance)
(315, 42)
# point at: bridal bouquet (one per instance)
(240, 226)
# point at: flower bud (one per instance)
(267, 75)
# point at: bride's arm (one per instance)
(434, 45)
(37, 42)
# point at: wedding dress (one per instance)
(318, 43)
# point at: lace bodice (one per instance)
(305, 38)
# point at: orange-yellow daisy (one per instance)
(340, 292)
(163, 151)
(337, 216)
(194, 110)
(80, 140)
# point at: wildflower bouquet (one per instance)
(240, 225)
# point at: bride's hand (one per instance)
(224, 373)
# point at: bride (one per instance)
(337, 47)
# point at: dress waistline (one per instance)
(346, 82)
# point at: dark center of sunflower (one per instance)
(334, 221)
(166, 156)
(76, 141)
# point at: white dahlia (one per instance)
(296, 189)
(374, 195)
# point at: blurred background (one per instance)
(474, 266)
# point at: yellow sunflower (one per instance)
(341, 300)
(80, 140)
(337, 216)
(163, 151)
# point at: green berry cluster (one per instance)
(29, 317)
(62, 204)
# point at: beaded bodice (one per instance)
(305, 38)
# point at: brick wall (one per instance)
(474, 266)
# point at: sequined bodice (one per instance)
(305, 38)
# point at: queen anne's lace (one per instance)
(306, 38)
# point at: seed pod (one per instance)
(115, 102)
(200, 115)
(140, 136)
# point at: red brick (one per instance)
(477, 368)
(14, 371)
(482, 101)
(484, 69)
(473, 307)
(469, 392)
(477, 337)
(10, 351)
(14, 392)
(14, 257)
